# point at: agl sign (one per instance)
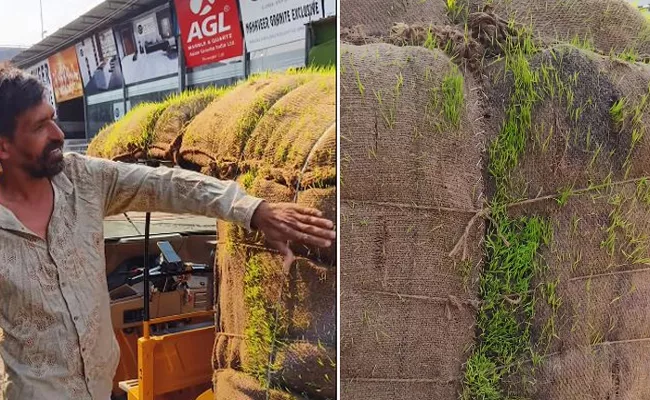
(210, 29)
(210, 26)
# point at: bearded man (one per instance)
(57, 340)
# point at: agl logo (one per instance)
(211, 25)
(200, 7)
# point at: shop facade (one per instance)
(124, 53)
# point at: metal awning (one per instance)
(102, 16)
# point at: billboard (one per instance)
(42, 72)
(147, 47)
(210, 30)
(269, 23)
(65, 75)
(99, 64)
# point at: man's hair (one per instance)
(19, 92)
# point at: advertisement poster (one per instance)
(274, 22)
(65, 75)
(330, 8)
(147, 47)
(99, 64)
(210, 30)
(42, 72)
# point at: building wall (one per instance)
(144, 52)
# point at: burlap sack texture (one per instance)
(318, 188)
(284, 136)
(234, 385)
(127, 139)
(606, 26)
(375, 17)
(609, 25)
(411, 181)
(215, 139)
(266, 311)
(580, 162)
(294, 144)
(96, 146)
(288, 317)
(585, 171)
(167, 134)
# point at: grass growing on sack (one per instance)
(190, 97)
(284, 137)
(512, 244)
(453, 96)
(263, 328)
(447, 102)
(585, 43)
(508, 303)
(616, 112)
(235, 126)
(209, 92)
(505, 151)
(134, 129)
(137, 127)
(638, 127)
(96, 146)
(316, 70)
(507, 285)
(456, 10)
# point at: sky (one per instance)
(22, 25)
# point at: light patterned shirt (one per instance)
(56, 337)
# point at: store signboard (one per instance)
(42, 72)
(269, 23)
(99, 64)
(66, 80)
(210, 31)
(146, 47)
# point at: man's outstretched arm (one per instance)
(130, 187)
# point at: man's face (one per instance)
(37, 143)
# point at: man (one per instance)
(57, 341)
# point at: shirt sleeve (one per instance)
(132, 187)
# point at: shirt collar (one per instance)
(62, 181)
(9, 221)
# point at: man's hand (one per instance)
(285, 222)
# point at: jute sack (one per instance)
(129, 137)
(610, 25)
(599, 250)
(170, 127)
(294, 145)
(259, 300)
(234, 385)
(376, 17)
(298, 310)
(285, 135)
(96, 145)
(216, 137)
(323, 199)
(410, 309)
(320, 166)
(318, 190)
